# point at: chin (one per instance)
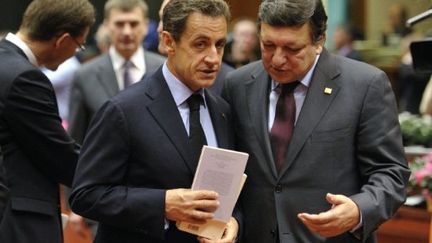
(52, 67)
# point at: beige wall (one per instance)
(377, 15)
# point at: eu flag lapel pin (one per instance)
(328, 90)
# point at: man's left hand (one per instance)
(229, 236)
(343, 216)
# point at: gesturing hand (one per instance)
(190, 206)
(343, 216)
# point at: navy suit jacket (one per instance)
(37, 152)
(136, 149)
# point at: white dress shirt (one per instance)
(137, 70)
(181, 93)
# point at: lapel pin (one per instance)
(328, 90)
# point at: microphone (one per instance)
(414, 20)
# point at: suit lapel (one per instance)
(257, 100)
(107, 77)
(314, 107)
(165, 112)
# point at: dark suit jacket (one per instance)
(38, 153)
(3, 187)
(94, 83)
(136, 149)
(346, 142)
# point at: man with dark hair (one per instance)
(140, 154)
(37, 152)
(326, 157)
(223, 71)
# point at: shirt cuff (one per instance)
(356, 230)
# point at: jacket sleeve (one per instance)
(382, 162)
(31, 113)
(100, 189)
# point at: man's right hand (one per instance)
(190, 206)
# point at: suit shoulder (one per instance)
(154, 57)
(249, 70)
(95, 63)
(352, 66)
(14, 65)
(132, 94)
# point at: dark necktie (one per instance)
(196, 133)
(283, 125)
(126, 73)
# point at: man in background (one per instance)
(326, 157)
(343, 39)
(243, 48)
(140, 155)
(125, 63)
(37, 152)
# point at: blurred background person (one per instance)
(410, 84)
(343, 41)
(243, 46)
(125, 63)
(426, 101)
(395, 27)
(151, 40)
(102, 39)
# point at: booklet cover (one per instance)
(220, 170)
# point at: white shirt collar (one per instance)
(136, 59)
(179, 90)
(23, 46)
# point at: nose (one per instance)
(213, 56)
(279, 58)
(127, 29)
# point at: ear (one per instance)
(320, 44)
(169, 42)
(58, 42)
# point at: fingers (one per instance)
(229, 236)
(190, 206)
(343, 216)
(77, 224)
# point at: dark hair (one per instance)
(44, 19)
(293, 13)
(125, 6)
(176, 12)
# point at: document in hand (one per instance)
(220, 170)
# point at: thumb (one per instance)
(334, 199)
